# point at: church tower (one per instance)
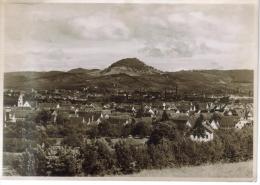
(20, 100)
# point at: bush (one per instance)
(125, 158)
(43, 117)
(141, 157)
(165, 148)
(160, 131)
(17, 145)
(142, 129)
(98, 159)
(161, 154)
(66, 162)
(109, 129)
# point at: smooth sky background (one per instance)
(169, 37)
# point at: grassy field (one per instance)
(227, 170)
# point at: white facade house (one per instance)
(208, 137)
(13, 118)
(242, 123)
(27, 104)
(208, 134)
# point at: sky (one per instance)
(169, 37)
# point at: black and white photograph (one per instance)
(131, 90)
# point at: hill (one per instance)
(130, 66)
(132, 74)
(93, 72)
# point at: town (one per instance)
(90, 107)
(128, 116)
(118, 121)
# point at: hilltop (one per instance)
(130, 66)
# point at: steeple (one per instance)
(20, 101)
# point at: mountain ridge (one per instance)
(129, 74)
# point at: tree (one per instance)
(25, 165)
(93, 131)
(124, 156)
(61, 119)
(216, 116)
(73, 139)
(127, 129)
(160, 131)
(43, 117)
(165, 116)
(67, 162)
(198, 129)
(141, 129)
(98, 159)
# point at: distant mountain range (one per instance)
(131, 74)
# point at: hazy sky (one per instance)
(169, 37)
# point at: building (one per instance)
(207, 136)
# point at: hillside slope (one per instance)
(132, 74)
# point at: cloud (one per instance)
(100, 26)
(60, 36)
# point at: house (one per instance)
(214, 124)
(27, 104)
(106, 113)
(201, 130)
(206, 136)
(7, 111)
(242, 123)
(47, 106)
(191, 121)
(181, 122)
(19, 114)
(22, 103)
(249, 115)
(230, 112)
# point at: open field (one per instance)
(227, 170)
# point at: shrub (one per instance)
(161, 154)
(109, 129)
(98, 159)
(141, 156)
(43, 117)
(160, 131)
(125, 159)
(17, 145)
(141, 129)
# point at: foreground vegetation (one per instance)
(92, 151)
